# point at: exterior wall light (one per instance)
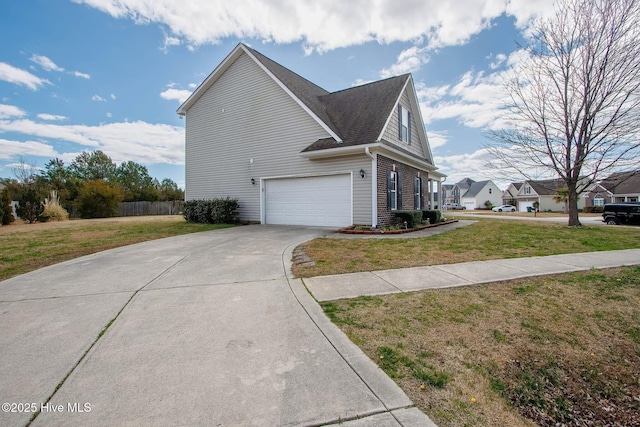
(253, 181)
(362, 173)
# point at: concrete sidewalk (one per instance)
(326, 288)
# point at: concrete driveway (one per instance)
(201, 329)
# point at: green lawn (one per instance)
(27, 247)
(555, 350)
(484, 240)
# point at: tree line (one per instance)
(91, 186)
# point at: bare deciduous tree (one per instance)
(575, 103)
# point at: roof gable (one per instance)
(354, 116)
(475, 188)
(301, 90)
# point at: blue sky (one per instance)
(110, 74)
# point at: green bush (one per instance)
(412, 218)
(98, 199)
(6, 211)
(434, 216)
(214, 211)
(30, 207)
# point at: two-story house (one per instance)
(294, 153)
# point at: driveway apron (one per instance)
(201, 329)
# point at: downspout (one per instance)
(374, 187)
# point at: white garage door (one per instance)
(524, 205)
(315, 200)
(470, 205)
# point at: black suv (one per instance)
(621, 213)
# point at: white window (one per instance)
(417, 193)
(404, 124)
(598, 200)
(393, 190)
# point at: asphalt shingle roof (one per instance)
(475, 188)
(547, 187)
(623, 182)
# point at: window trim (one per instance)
(392, 189)
(417, 193)
(600, 200)
(404, 128)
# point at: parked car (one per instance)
(621, 213)
(504, 208)
(454, 206)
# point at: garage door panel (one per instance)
(319, 200)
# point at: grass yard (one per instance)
(484, 240)
(27, 247)
(554, 350)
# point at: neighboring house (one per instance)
(460, 188)
(618, 187)
(473, 195)
(542, 192)
(479, 193)
(509, 195)
(294, 153)
(447, 193)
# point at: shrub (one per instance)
(29, 207)
(593, 209)
(412, 218)
(98, 199)
(52, 210)
(6, 210)
(434, 216)
(214, 211)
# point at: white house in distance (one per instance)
(471, 194)
(294, 153)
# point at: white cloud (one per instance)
(409, 60)
(139, 141)
(10, 111)
(13, 149)
(51, 117)
(81, 75)
(499, 60)
(46, 63)
(180, 95)
(98, 98)
(437, 139)
(320, 26)
(477, 100)
(109, 115)
(192, 85)
(112, 96)
(11, 74)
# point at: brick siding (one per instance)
(407, 174)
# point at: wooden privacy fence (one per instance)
(150, 208)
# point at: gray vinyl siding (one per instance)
(245, 115)
(391, 133)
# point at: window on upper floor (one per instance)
(404, 124)
(527, 190)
